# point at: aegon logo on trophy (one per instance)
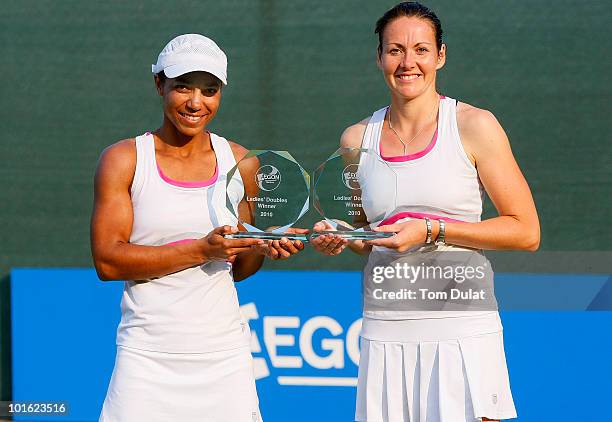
(349, 176)
(268, 178)
(270, 208)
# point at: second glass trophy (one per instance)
(354, 190)
(267, 192)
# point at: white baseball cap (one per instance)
(191, 53)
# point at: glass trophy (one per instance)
(354, 190)
(267, 192)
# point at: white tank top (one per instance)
(194, 310)
(439, 182)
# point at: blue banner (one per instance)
(305, 330)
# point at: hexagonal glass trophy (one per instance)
(354, 190)
(267, 192)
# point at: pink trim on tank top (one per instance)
(179, 242)
(402, 158)
(201, 184)
(180, 184)
(420, 215)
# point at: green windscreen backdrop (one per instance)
(76, 78)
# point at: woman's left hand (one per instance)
(283, 248)
(407, 235)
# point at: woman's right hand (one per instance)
(216, 247)
(327, 244)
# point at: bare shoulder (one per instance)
(353, 135)
(248, 166)
(479, 130)
(118, 161)
(474, 119)
(238, 150)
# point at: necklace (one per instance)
(405, 144)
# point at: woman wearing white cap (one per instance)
(159, 220)
(437, 361)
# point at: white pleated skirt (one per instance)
(187, 387)
(442, 379)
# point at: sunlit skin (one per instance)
(409, 60)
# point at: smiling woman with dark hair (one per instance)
(423, 363)
(159, 221)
